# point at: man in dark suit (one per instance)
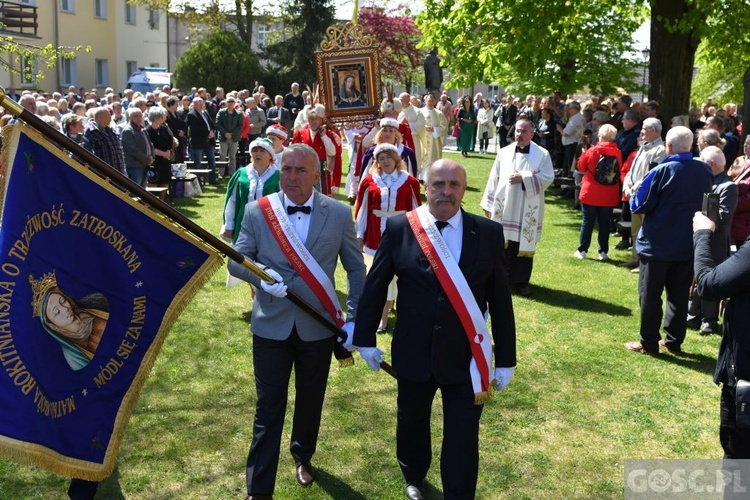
(279, 115)
(431, 349)
(702, 313)
(202, 137)
(285, 337)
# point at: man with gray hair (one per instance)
(137, 148)
(650, 154)
(668, 196)
(704, 314)
(103, 140)
(280, 231)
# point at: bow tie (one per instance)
(525, 150)
(294, 209)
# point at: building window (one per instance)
(129, 12)
(131, 67)
(262, 32)
(100, 9)
(29, 68)
(68, 6)
(153, 19)
(102, 73)
(68, 70)
(31, 3)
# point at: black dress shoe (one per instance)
(304, 474)
(413, 493)
(523, 289)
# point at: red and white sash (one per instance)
(298, 256)
(459, 294)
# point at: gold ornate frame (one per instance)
(348, 53)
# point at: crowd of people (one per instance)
(283, 161)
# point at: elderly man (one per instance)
(229, 125)
(650, 154)
(103, 141)
(294, 102)
(137, 148)
(326, 143)
(449, 269)
(201, 137)
(571, 133)
(279, 115)
(411, 116)
(316, 232)
(668, 197)
(702, 313)
(514, 197)
(256, 117)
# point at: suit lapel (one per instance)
(469, 244)
(317, 218)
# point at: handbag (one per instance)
(742, 402)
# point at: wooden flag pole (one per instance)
(123, 182)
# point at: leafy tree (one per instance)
(397, 35)
(220, 59)
(17, 52)
(534, 45)
(292, 56)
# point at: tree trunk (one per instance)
(672, 59)
(567, 78)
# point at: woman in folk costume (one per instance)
(387, 191)
(250, 183)
(278, 135)
(389, 133)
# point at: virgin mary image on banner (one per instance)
(76, 325)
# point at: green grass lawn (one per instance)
(579, 405)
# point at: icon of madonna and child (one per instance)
(76, 325)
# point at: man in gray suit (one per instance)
(285, 337)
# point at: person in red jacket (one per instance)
(387, 191)
(597, 198)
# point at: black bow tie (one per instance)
(525, 150)
(441, 224)
(294, 209)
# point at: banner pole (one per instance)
(122, 181)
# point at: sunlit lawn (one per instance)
(578, 407)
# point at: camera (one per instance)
(710, 207)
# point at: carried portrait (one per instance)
(349, 80)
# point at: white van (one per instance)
(149, 79)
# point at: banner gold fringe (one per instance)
(41, 456)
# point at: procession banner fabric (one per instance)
(91, 281)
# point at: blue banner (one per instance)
(90, 282)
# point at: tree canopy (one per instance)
(219, 60)
(291, 56)
(535, 45)
(19, 55)
(398, 36)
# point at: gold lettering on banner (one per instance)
(127, 345)
(53, 409)
(105, 231)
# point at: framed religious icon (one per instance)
(348, 74)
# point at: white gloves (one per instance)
(349, 330)
(503, 376)
(277, 289)
(372, 356)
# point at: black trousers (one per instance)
(519, 268)
(459, 454)
(735, 441)
(273, 361)
(654, 277)
(81, 489)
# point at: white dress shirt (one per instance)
(453, 234)
(300, 220)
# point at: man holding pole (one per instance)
(450, 274)
(299, 235)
